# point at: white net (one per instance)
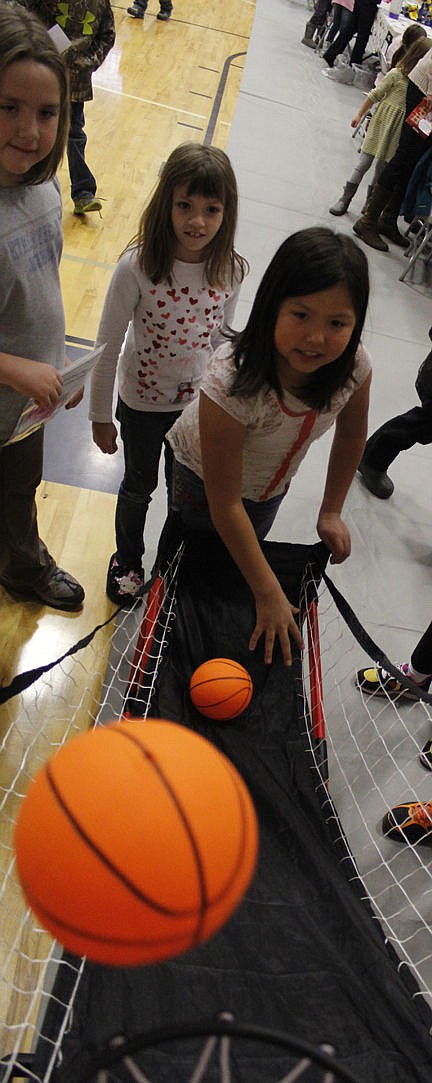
(372, 743)
(85, 689)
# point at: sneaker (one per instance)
(409, 822)
(377, 681)
(61, 592)
(87, 203)
(123, 584)
(377, 481)
(425, 756)
(136, 11)
(165, 11)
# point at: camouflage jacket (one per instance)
(89, 24)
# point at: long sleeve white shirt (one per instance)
(160, 338)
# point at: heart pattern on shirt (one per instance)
(191, 331)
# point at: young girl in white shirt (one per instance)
(172, 295)
(295, 370)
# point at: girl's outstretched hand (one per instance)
(275, 618)
(105, 436)
(335, 535)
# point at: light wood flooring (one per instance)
(162, 84)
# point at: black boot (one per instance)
(343, 203)
(165, 11)
(387, 223)
(366, 227)
(308, 36)
(137, 9)
(377, 481)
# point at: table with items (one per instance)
(389, 25)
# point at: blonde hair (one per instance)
(205, 171)
(24, 37)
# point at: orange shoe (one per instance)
(409, 822)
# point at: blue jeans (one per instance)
(190, 501)
(143, 435)
(81, 178)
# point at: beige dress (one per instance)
(383, 133)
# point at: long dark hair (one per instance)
(24, 37)
(309, 261)
(206, 171)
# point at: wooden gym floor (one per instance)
(162, 84)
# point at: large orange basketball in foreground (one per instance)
(135, 842)
(221, 689)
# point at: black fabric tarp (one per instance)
(303, 952)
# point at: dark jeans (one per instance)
(399, 434)
(190, 501)
(81, 178)
(341, 18)
(24, 559)
(143, 434)
(410, 149)
(421, 658)
(360, 23)
(319, 16)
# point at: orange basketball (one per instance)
(135, 842)
(221, 689)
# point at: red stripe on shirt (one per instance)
(305, 431)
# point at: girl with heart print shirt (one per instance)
(171, 298)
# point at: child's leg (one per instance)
(342, 204)
(364, 163)
(380, 164)
(143, 436)
(24, 559)
(26, 566)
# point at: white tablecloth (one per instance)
(385, 28)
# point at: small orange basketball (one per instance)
(221, 689)
(135, 842)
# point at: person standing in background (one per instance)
(360, 23)
(139, 8)
(89, 25)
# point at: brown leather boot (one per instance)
(366, 227)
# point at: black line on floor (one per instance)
(218, 97)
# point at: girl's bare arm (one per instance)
(222, 439)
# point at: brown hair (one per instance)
(206, 171)
(24, 37)
(413, 55)
(409, 36)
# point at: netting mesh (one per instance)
(84, 690)
(373, 745)
(372, 749)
